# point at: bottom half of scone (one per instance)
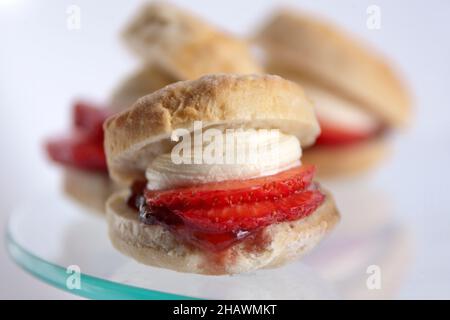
(269, 247)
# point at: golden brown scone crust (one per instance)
(275, 245)
(318, 50)
(147, 79)
(184, 44)
(346, 160)
(338, 161)
(90, 189)
(136, 135)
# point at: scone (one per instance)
(185, 45)
(146, 79)
(236, 200)
(358, 96)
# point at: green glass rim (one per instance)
(92, 287)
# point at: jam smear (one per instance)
(136, 198)
(206, 217)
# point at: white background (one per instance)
(44, 66)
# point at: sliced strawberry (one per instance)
(84, 148)
(232, 192)
(216, 215)
(250, 216)
(236, 224)
(89, 118)
(338, 135)
(217, 228)
(78, 151)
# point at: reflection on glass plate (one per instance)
(368, 236)
(53, 234)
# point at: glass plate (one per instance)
(53, 234)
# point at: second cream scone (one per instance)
(321, 51)
(340, 75)
(340, 160)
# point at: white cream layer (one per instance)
(342, 113)
(251, 155)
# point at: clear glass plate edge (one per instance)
(91, 287)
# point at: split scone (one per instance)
(358, 97)
(216, 181)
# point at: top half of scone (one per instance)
(136, 137)
(335, 69)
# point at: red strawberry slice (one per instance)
(84, 148)
(236, 206)
(78, 151)
(215, 216)
(233, 192)
(338, 135)
(250, 216)
(90, 118)
(217, 228)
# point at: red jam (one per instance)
(216, 216)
